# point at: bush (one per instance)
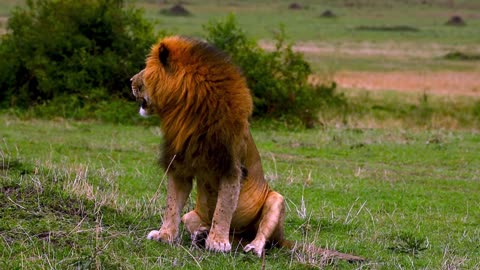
(278, 79)
(69, 47)
(462, 56)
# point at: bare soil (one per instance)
(441, 82)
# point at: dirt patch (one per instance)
(442, 82)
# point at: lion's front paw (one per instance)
(161, 235)
(256, 247)
(215, 244)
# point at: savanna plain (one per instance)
(393, 176)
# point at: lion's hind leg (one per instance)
(197, 228)
(270, 227)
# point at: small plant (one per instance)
(476, 110)
(462, 56)
(409, 243)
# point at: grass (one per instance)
(262, 18)
(384, 58)
(395, 28)
(391, 109)
(390, 177)
(77, 195)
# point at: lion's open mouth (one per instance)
(142, 102)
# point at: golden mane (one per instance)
(197, 91)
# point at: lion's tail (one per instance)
(326, 254)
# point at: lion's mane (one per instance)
(203, 101)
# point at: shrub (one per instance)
(60, 48)
(462, 56)
(278, 79)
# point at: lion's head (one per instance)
(141, 95)
(195, 89)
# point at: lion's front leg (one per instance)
(229, 190)
(178, 191)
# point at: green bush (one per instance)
(278, 79)
(69, 47)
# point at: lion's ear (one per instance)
(163, 53)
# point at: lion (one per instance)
(204, 105)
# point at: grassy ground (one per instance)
(262, 18)
(392, 177)
(79, 195)
(357, 21)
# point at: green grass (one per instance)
(339, 61)
(393, 178)
(262, 18)
(77, 195)
(392, 109)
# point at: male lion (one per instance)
(204, 104)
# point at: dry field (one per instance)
(439, 80)
(436, 82)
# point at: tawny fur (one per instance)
(204, 105)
